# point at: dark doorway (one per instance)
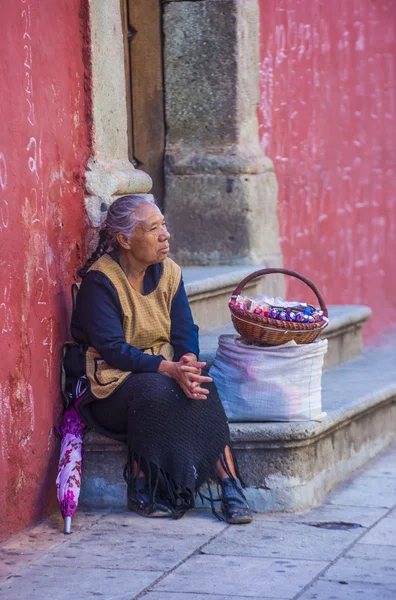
(145, 90)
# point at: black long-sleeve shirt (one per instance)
(97, 321)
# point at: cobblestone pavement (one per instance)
(343, 550)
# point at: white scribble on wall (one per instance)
(327, 120)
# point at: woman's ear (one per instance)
(123, 241)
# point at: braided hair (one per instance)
(120, 218)
(100, 249)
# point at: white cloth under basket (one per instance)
(269, 383)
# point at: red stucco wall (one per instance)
(43, 148)
(328, 119)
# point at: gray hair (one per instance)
(121, 218)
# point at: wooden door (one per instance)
(145, 93)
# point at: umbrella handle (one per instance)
(68, 521)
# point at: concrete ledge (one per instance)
(209, 290)
(292, 466)
(332, 457)
(299, 434)
(102, 481)
(344, 333)
(114, 178)
(346, 315)
(106, 180)
(200, 280)
(228, 159)
(288, 466)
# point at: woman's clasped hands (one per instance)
(187, 372)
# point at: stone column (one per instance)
(221, 191)
(109, 172)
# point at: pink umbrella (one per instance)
(68, 481)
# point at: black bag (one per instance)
(72, 362)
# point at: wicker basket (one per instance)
(273, 332)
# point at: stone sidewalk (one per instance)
(343, 550)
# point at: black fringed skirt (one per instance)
(174, 440)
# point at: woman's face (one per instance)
(149, 243)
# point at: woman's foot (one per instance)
(145, 509)
(234, 504)
(139, 501)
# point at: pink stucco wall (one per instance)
(327, 118)
(44, 144)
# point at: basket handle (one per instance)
(308, 282)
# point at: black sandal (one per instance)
(234, 505)
(140, 503)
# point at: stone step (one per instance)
(292, 466)
(209, 290)
(344, 334)
(287, 466)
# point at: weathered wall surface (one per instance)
(327, 119)
(220, 199)
(43, 148)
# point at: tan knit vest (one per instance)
(146, 322)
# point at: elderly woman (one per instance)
(141, 361)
